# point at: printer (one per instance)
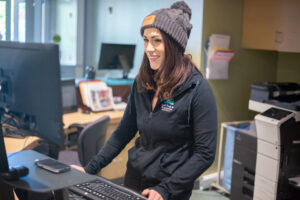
(269, 94)
(278, 139)
(244, 163)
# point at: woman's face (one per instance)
(154, 47)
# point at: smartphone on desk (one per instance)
(52, 165)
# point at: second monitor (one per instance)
(117, 56)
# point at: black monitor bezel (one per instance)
(103, 55)
(13, 57)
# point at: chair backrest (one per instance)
(91, 139)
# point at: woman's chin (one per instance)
(154, 66)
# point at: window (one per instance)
(13, 20)
(40, 21)
(2, 20)
(66, 28)
(19, 21)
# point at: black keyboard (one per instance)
(15, 134)
(103, 189)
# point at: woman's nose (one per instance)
(149, 47)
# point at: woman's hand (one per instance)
(78, 168)
(152, 194)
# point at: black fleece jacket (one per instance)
(177, 140)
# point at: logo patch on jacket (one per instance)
(167, 105)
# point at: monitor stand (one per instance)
(8, 173)
(6, 191)
(125, 75)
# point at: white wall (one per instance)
(123, 25)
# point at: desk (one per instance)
(82, 118)
(114, 170)
(40, 180)
(19, 144)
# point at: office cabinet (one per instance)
(271, 25)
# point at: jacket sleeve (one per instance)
(126, 130)
(204, 126)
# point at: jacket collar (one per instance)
(191, 81)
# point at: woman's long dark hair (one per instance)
(173, 72)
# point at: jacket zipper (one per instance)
(150, 117)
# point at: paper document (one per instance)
(218, 57)
(222, 54)
(217, 41)
(96, 95)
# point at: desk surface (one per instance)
(82, 118)
(41, 180)
(19, 144)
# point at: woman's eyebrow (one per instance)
(153, 36)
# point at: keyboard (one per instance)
(15, 134)
(103, 189)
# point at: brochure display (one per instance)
(217, 56)
(95, 95)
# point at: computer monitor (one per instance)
(117, 56)
(30, 89)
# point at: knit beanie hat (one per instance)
(174, 21)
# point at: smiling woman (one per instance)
(173, 109)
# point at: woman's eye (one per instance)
(157, 40)
(146, 40)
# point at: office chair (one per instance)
(90, 140)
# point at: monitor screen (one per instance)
(30, 74)
(116, 56)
